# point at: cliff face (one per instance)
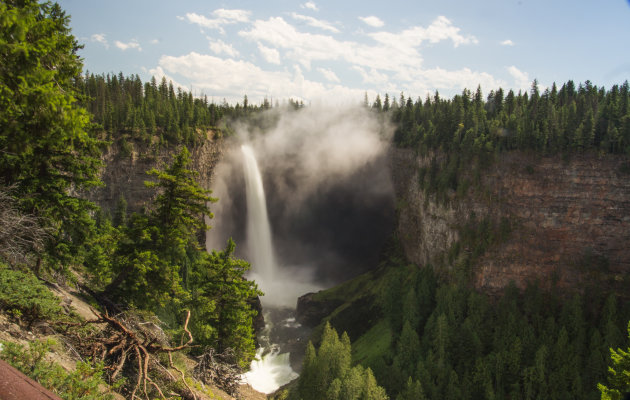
(125, 175)
(570, 219)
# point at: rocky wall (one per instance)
(125, 174)
(570, 218)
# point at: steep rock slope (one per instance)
(570, 219)
(125, 174)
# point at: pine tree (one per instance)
(618, 374)
(413, 391)
(47, 151)
(222, 315)
(326, 374)
(149, 260)
(408, 349)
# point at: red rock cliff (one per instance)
(571, 219)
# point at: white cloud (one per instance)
(385, 61)
(100, 38)
(302, 47)
(232, 78)
(392, 51)
(329, 75)
(440, 29)
(270, 55)
(155, 41)
(317, 23)
(373, 21)
(372, 76)
(158, 73)
(219, 46)
(310, 5)
(133, 44)
(232, 15)
(221, 17)
(521, 79)
(507, 42)
(305, 48)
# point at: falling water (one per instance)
(258, 230)
(271, 368)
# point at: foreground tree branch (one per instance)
(129, 346)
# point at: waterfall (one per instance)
(258, 230)
(271, 368)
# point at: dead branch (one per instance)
(219, 369)
(124, 339)
(21, 234)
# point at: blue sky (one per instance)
(338, 50)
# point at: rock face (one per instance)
(125, 174)
(571, 219)
(310, 311)
(259, 319)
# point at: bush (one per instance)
(84, 383)
(26, 298)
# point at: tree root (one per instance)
(125, 339)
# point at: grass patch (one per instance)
(85, 383)
(373, 344)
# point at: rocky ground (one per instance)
(65, 355)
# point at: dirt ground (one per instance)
(67, 357)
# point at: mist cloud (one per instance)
(317, 147)
(328, 190)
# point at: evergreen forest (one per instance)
(415, 334)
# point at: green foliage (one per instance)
(219, 294)
(179, 206)
(413, 391)
(26, 298)
(84, 383)
(100, 249)
(155, 112)
(327, 372)
(154, 248)
(47, 154)
(618, 374)
(154, 261)
(461, 344)
(368, 348)
(125, 104)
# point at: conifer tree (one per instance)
(618, 375)
(149, 260)
(327, 374)
(47, 152)
(222, 315)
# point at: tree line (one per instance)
(566, 119)
(156, 112)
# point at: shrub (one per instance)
(26, 298)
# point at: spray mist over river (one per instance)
(309, 203)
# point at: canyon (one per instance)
(570, 217)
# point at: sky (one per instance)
(338, 51)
